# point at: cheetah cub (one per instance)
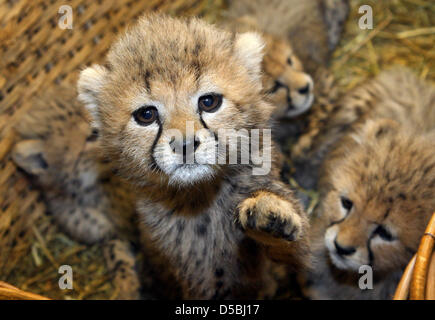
(297, 34)
(313, 27)
(285, 83)
(218, 225)
(377, 187)
(59, 151)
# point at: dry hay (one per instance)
(403, 34)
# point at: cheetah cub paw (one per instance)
(268, 214)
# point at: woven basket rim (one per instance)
(9, 292)
(414, 279)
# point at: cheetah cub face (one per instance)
(286, 84)
(380, 197)
(166, 90)
(52, 129)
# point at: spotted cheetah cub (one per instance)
(60, 151)
(377, 187)
(217, 224)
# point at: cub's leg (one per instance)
(87, 225)
(121, 261)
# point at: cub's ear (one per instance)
(381, 128)
(249, 50)
(89, 85)
(29, 155)
(377, 130)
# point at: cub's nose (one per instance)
(343, 251)
(305, 85)
(188, 144)
(305, 89)
(185, 148)
(188, 154)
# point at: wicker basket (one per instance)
(8, 292)
(418, 279)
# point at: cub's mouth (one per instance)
(293, 107)
(188, 174)
(341, 257)
(338, 261)
(294, 110)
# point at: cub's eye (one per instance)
(384, 233)
(210, 102)
(289, 61)
(145, 115)
(346, 203)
